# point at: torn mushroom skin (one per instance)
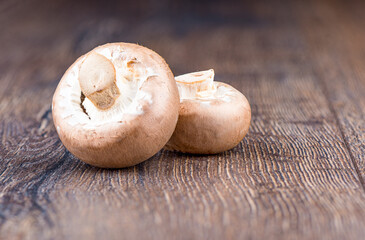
(213, 116)
(116, 106)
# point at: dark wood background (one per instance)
(298, 174)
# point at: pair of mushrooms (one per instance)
(119, 104)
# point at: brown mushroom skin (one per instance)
(211, 128)
(135, 138)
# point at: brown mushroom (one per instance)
(213, 116)
(116, 106)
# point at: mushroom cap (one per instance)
(134, 137)
(209, 126)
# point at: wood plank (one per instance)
(336, 34)
(291, 177)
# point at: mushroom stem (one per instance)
(97, 80)
(196, 84)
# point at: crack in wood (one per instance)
(45, 120)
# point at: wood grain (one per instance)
(297, 174)
(336, 34)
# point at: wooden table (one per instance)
(298, 174)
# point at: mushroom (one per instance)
(213, 116)
(116, 106)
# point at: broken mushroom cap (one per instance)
(116, 106)
(213, 116)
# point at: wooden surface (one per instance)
(299, 173)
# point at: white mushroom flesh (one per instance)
(128, 80)
(201, 86)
